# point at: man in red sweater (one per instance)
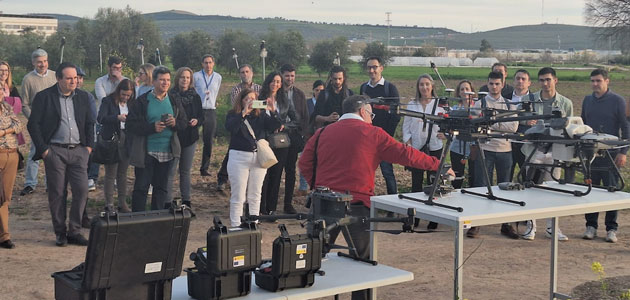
(348, 153)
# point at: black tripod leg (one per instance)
(485, 169)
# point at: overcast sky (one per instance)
(460, 15)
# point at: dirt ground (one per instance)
(500, 268)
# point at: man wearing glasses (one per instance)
(348, 152)
(107, 83)
(377, 86)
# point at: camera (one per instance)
(260, 104)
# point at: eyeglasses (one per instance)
(4, 71)
(372, 115)
(372, 67)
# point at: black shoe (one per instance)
(8, 244)
(473, 232)
(27, 191)
(192, 213)
(204, 173)
(85, 223)
(289, 209)
(61, 240)
(432, 226)
(77, 239)
(508, 230)
(220, 186)
(416, 223)
(271, 213)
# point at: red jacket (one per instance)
(348, 154)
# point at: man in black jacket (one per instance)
(153, 122)
(507, 90)
(62, 128)
(377, 86)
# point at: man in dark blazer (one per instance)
(62, 128)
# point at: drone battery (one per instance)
(129, 256)
(295, 259)
(330, 205)
(232, 250)
(203, 286)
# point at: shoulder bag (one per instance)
(265, 156)
(106, 150)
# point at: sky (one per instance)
(459, 15)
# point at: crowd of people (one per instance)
(154, 125)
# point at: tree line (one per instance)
(89, 42)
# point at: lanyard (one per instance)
(206, 81)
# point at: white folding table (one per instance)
(343, 275)
(479, 211)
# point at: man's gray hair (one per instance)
(246, 66)
(354, 103)
(39, 53)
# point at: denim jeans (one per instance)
(606, 178)
(387, 169)
(184, 162)
(154, 173)
(32, 168)
(502, 161)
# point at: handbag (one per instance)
(106, 150)
(279, 140)
(20, 160)
(265, 156)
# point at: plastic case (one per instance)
(224, 268)
(295, 260)
(129, 256)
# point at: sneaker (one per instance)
(77, 239)
(91, 185)
(27, 191)
(473, 232)
(590, 233)
(508, 230)
(561, 236)
(611, 236)
(530, 231)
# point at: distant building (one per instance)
(17, 24)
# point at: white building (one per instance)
(17, 24)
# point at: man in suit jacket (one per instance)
(61, 126)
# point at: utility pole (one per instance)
(542, 13)
(389, 27)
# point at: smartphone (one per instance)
(164, 117)
(260, 104)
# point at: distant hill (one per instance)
(61, 18)
(542, 36)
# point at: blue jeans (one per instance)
(32, 168)
(387, 169)
(184, 162)
(154, 173)
(502, 161)
(606, 178)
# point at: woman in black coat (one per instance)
(112, 116)
(184, 93)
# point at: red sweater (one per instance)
(348, 154)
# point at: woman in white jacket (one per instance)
(424, 137)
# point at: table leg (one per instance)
(458, 270)
(553, 284)
(373, 244)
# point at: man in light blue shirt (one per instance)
(207, 84)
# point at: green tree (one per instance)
(375, 49)
(485, 46)
(426, 50)
(73, 51)
(245, 46)
(325, 52)
(186, 49)
(284, 47)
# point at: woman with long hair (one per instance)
(272, 91)
(11, 94)
(184, 92)
(10, 125)
(112, 115)
(460, 151)
(424, 137)
(144, 79)
(245, 174)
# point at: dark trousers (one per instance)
(502, 161)
(222, 176)
(387, 169)
(360, 236)
(417, 175)
(62, 163)
(518, 158)
(209, 129)
(154, 173)
(289, 174)
(271, 185)
(459, 168)
(606, 178)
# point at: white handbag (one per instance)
(265, 157)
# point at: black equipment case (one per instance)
(224, 269)
(294, 262)
(129, 256)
